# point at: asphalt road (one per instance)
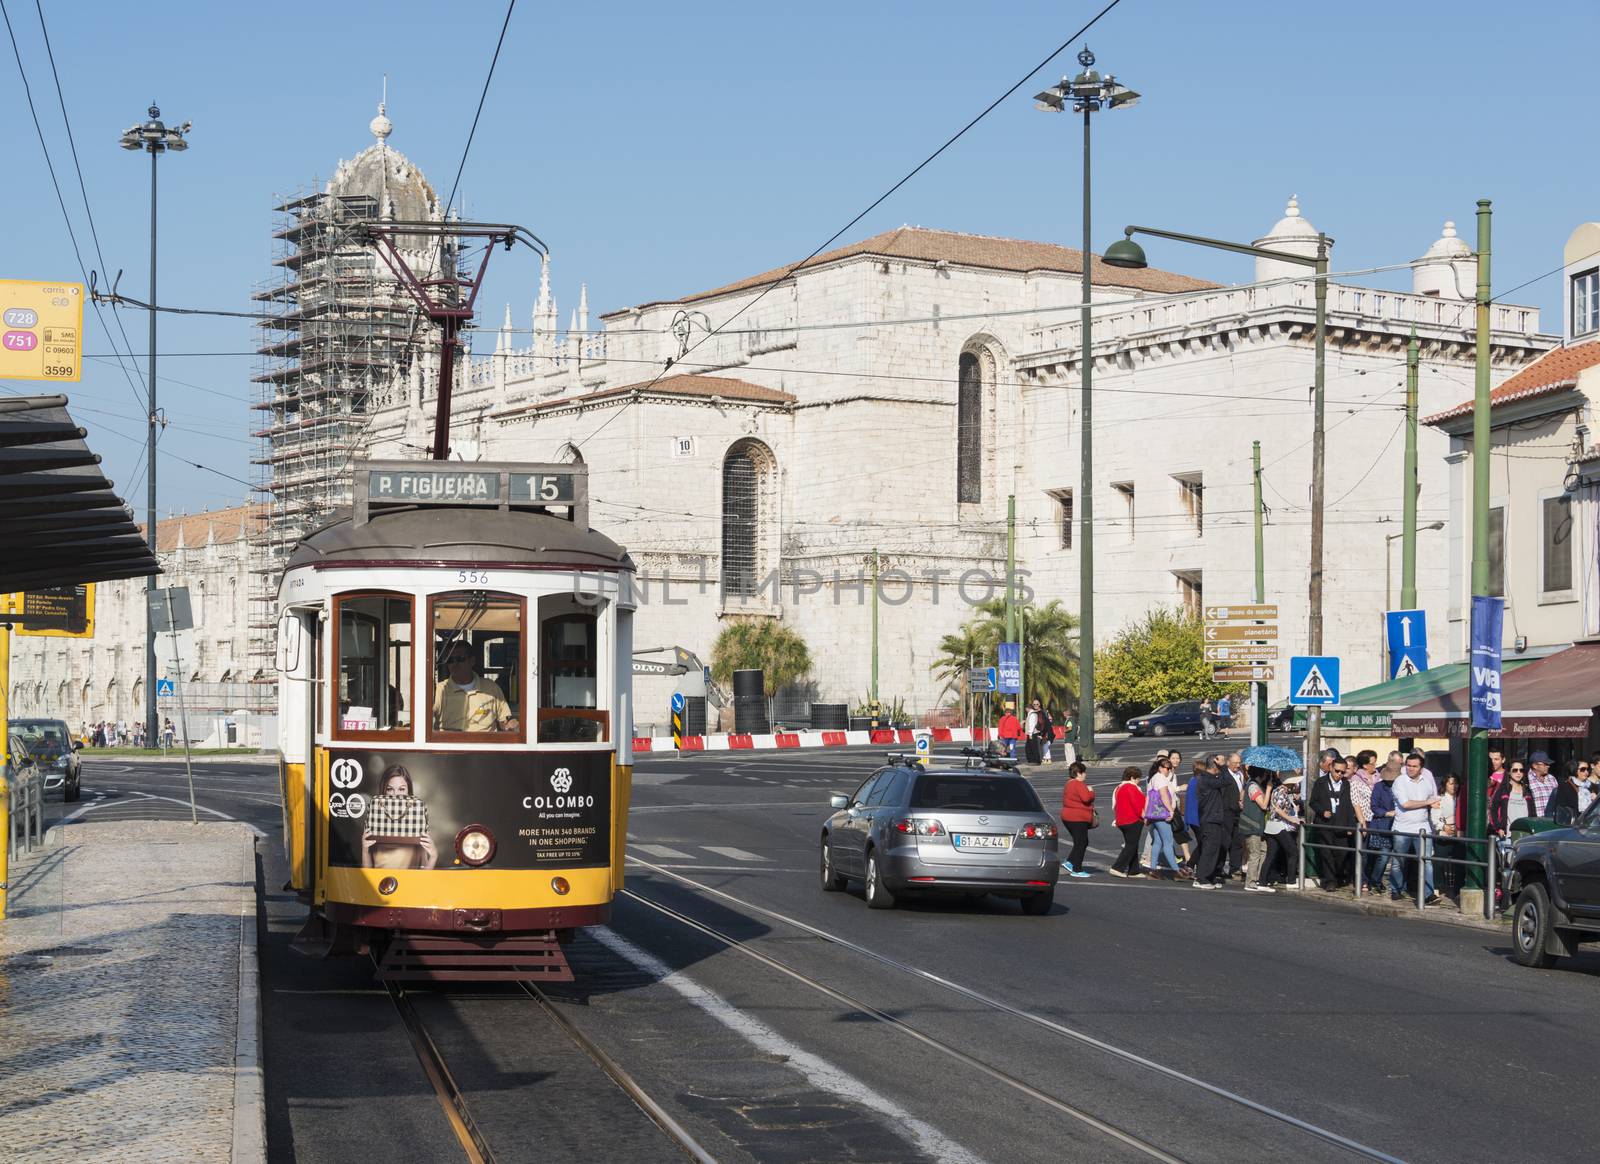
(1137, 1020)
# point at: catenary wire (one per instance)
(482, 97)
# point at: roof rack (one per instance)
(989, 758)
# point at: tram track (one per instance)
(452, 1096)
(990, 1002)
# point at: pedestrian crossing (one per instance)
(725, 852)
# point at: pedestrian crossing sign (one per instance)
(1314, 680)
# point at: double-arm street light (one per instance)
(154, 138)
(1086, 93)
(1127, 253)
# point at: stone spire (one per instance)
(544, 314)
(1293, 234)
(583, 308)
(1447, 269)
(503, 342)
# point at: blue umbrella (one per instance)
(1273, 758)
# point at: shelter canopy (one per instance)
(1552, 697)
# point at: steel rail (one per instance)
(1154, 1151)
(990, 1001)
(620, 1076)
(451, 1100)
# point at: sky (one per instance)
(665, 149)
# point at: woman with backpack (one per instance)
(1160, 805)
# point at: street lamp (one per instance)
(1086, 93)
(156, 139)
(1127, 253)
(1388, 563)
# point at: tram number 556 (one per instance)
(473, 577)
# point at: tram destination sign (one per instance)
(434, 486)
(548, 488)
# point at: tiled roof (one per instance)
(969, 250)
(700, 387)
(1551, 372)
(221, 525)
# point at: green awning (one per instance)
(1367, 710)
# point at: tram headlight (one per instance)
(560, 885)
(388, 885)
(475, 845)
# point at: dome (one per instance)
(1293, 234)
(1447, 269)
(387, 175)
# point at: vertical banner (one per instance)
(1011, 668)
(1487, 614)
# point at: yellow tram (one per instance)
(455, 662)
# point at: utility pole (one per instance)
(1011, 568)
(873, 710)
(1319, 443)
(1408, 506)
(1478, 744)
(154, 138)
(1258, 721)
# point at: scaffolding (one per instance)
(338, 339)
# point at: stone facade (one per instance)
(89, 680)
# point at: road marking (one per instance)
(698, 868)
(665, 851)
(819, 1072)
(730, 851)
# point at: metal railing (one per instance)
(1356, 842)
(25, 814)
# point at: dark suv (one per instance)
(1555, 876)
(55, 752)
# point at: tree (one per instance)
(957, 654)
(1156, 660)
(760, 644)
(1049, 648)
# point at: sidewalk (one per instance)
(129, 997)
(1380, 905)
(95, 757)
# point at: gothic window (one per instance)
(969, 429)
(749, 505)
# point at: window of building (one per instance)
(1586, 302)
(1497, 551)
(1191, 500)
(1191, 591)
(374, 695)
(1124, 489)
(476, 650)
(969, 429)
(570, 708)
(1064, 515)
(741, 519)
(1555, 545)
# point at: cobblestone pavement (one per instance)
(121, 970)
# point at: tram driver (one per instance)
(465, 701)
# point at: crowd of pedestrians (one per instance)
(121, 734)
(1226, 821)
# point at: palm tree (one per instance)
(958, 653)
(1049, 648)
(760, 644)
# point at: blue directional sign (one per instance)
(677, 703)
(1011, 668)
(1313, 680)
(1407, 635)
(164, 688)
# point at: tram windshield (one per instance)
(569, 678)
(479, 664)
(375, 650)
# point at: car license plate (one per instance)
(980, 841)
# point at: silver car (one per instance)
(969, 831)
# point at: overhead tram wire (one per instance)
(88, 212)
(482, 97)
(882, 198)
(44, 148)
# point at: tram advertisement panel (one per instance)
(403, 809)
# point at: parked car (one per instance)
(1170, 719)
(1283, 717)
(53, 749)
(1553, 874)
(970, 831)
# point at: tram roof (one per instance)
(420, 535)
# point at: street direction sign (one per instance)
(1240, 632)
(1407, 636)
(678, 703)
(42, 333)
(982, 679)
(1313, 680)
(1240, 652)
(1243, 673)
(1259, 610)
(164, 688)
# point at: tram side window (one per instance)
(477, 640)
(569, 679)
(375, 658)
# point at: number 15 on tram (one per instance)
(456, 735)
